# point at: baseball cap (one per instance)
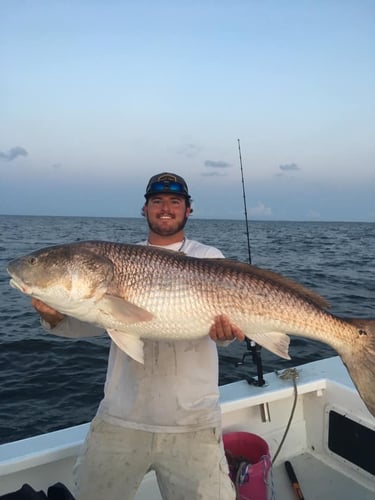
(167, 182)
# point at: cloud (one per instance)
(213, 174)
(216, 164)
(13, 153)
(260, 210)
(189, 150)
(289, 166)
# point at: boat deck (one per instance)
(322, 470)
(317, 481)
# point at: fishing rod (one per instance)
(253, 349)
(244, 203)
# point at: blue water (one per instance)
(47, 382)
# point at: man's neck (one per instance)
(156, 239)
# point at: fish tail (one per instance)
(360, 360)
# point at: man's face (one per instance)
(166, 213)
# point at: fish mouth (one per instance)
(19, 286)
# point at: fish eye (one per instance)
(32, 260)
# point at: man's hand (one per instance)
(47, 313)
(223, 329)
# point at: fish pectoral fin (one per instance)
(128, 343)
(122, 310)
(276, 342)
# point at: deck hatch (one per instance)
(352, 441)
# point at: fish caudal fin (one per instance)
(360, 361)
(130, 344)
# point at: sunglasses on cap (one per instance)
(167, 187)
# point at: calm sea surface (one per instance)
(47, 382)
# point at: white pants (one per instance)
(188, 466)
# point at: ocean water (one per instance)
(48, 382)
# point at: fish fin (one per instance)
(130, 344)
(277, 279)
(276, 342)
(122, 310)
(359, 360)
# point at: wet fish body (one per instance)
(137, 292)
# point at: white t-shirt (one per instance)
(175, 390)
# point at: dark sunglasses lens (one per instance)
(156, 187)
(176, 187)
(159, 187)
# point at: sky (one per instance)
(98, 96)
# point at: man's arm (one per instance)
(47, 313)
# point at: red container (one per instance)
(249, 463)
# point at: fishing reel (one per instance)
(253, 350)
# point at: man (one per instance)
(163, 415)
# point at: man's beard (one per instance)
(170, 231)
